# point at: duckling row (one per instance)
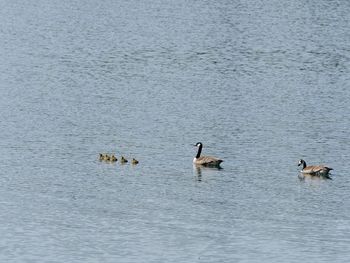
(111, 158)
(107, 158)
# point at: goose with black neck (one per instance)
(208, 161)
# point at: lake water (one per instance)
(260, 83)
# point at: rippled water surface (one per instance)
(260, 83)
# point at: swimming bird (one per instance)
(319, 170)
(107, 158)
(205, 160)
(113, 158)
(134, 161)
(104, 157)
(123, 160)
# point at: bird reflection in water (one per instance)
(308, 177)
(199, 169)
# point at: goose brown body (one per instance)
(319, 170)
(206, 160)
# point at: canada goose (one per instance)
(205, 160)
(319, 170)
(134, 161)
(123, 160)
(113, 158)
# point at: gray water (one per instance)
(260, 83)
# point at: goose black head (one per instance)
(198, 144)
(301, 162)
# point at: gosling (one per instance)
(103, 157)
(134, 161)
(107, 158)
(123, 160)
(113, 158)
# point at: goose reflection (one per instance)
(309, 177)
(199, 169)
(198, 172)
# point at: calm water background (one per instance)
(260, 83)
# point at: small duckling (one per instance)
(113, 158)
(102, 157)
(123, 160)
(134, 161)
(107, 158)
